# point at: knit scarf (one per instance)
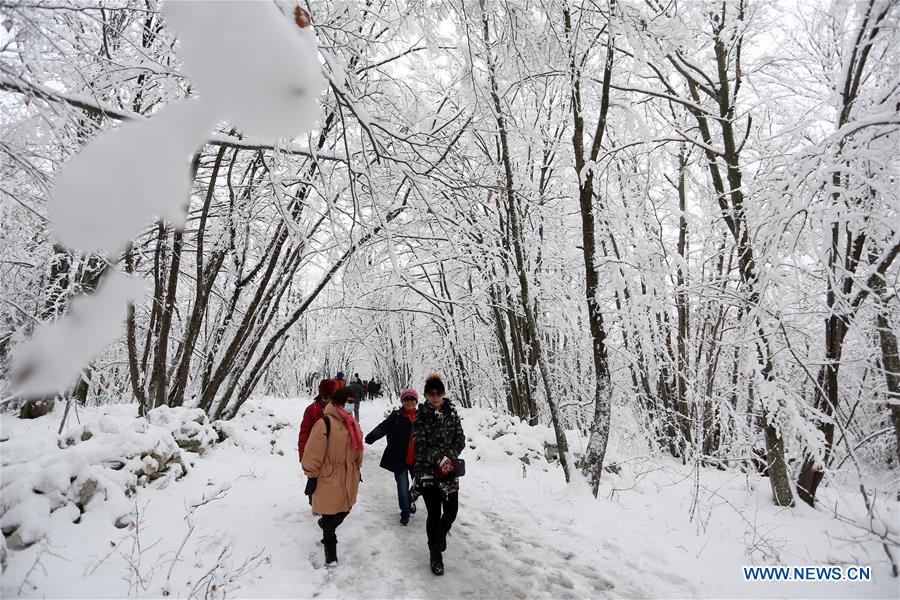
(356, 441)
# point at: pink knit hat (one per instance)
(409, 393)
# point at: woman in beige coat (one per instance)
(333, 456)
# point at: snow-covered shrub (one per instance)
(94, 467)
(253, 427)
(189, 426)
(489, 433)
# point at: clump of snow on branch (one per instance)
(53, 358)
(267, 85)
(107, 194)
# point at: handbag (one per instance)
(459, 469)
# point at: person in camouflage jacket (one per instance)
(439, 440)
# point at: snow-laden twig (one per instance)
(45, 549)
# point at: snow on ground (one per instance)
(238, 525)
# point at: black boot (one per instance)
(437, 563)
(330, 553)
(442, 541)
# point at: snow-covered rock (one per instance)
(189, 426)
(96, 466)
(32, 409)
(254, 427)
(490, 435)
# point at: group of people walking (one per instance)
(359, 388)
(424, 441)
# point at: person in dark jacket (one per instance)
(438, 441)
(399, 456)
(356, 390)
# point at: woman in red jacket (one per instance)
(314, 412)
(333, 458)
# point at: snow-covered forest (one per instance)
(652, 246)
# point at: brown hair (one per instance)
(341, 396)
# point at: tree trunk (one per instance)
(731, 203)
(204, 282)
(134, 374)
(840, 277)
(599, 431)
(681, 303)
(532, 337)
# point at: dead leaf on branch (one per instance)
(301, 16)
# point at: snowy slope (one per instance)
(238, 525)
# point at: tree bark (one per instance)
(532, 339)
(133, 370)
(840, 276)
(584, 170)
(681, 303)
(204, 282)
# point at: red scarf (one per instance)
(410, 447)
(356, 441)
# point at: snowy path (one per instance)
(521, 532)
(494, 550)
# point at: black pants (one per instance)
(329, 523)
(441, 513)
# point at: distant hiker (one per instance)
(356, 379)
(339, 380)
(438, 441)
(356, 389)
(399, 456)
(314, 412)
(333, 458)
(365, 386)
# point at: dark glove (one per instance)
(369, 439)
(310, 487)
